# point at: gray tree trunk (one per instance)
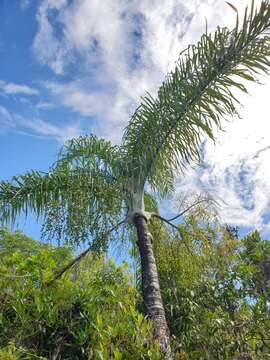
(150, 286)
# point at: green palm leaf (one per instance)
(79, 198)
(165, 133)
(90, 151)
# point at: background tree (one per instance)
(95, 184)
(214, 289)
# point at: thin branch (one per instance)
(187, 209)
(175, 227)
(165, 220)
(82, 255)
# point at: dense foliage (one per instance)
(216, 290)
(88, 314)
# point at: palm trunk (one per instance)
(150, 286)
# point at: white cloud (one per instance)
(46, 47)
(118, 62)
(36, 127)
(99, 104)
(41, 128)
(125, 48)
(236, 169)
(130, 55)
(12, 88)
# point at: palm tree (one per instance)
(96, 189)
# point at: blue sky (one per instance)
(71, 67)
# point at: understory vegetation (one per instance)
(215, 288)
(88, 314)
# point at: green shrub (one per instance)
(89, 313)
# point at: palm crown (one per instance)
(94, 184)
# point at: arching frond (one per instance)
(30, 193)
(165, 132)
(91, 204)
(77, 205)
(90, 151)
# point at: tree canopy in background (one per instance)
(215, 288)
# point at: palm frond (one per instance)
(78, 198)
(90, 151)
(165, 133)
(30, 192)
(76, 204)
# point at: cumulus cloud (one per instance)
(12, 122)
(235, 170)
(12, 88)
(123, 48)
(118, 62)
